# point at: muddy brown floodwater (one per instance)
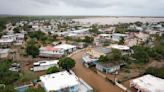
(98, 83)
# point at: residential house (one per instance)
(117, 37)
(50, 51)
(148, 83)
(90, 58)
(67, 48)
(107, 67)
(6, 42)
(17, 38)
(123, 48)
(4, 53)
(102, 38)
(64, 82)
(56, 51)
(44, 65)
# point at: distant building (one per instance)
(123, 48)
(6, 42)
(64, 82)
(4, 53)
(15, 38)
(44, 65)
(148, 83)
(117, 37)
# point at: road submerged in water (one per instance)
(98, 83)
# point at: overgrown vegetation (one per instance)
(87, 39)
(140, 55)
(7, 77)
(67, 63)
(94, 29)
(53, 69)
(42, 37)
(122, 28)
(158, 72)
(40, 89)
(114, 57)
(32, 48)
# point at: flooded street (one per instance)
(98, 83)
(116, 20)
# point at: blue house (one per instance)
(107, 67)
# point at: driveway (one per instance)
(98, 83)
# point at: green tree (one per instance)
(53, 69)
(122, 41)
(88, 39)
(140, 54)
(103, 58)
(115, 55)
(94, 29)
(7, 88)
(159, 72)
(32, 50)
(7, 77)
(139, 24)
(122, 28)
(67, 63)
(16, 30)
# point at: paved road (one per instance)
(96, 81)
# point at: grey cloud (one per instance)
(88, 7)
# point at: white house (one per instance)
(6, 42)
(119, 47)
(44, 65)
(123, 48)
(50, 51)
(107, 67)
(4, 53)
(9, 37)
(56, 51)
(67, 48)
(64, 82)
(117, 37)
(148, 83)
(17, 38)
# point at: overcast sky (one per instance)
(83, 7)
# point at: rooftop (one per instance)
(59, 80)
(49, 48)
(149, 83)
(118, 34)
(6, 40)
(65, 46)
(119, 47)
(4, 51)
(46, 62)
